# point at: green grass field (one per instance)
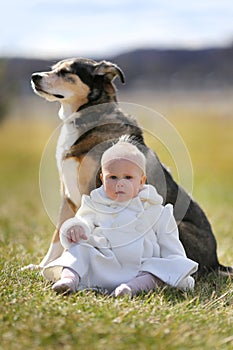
(33, 317)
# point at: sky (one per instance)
(98, 28)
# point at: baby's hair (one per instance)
(127, 147)
(133, 140)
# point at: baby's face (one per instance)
(122, 179)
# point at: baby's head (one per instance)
(123, 171)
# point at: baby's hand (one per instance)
(75, 234)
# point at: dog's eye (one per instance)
(66, 75)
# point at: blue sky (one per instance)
(98, 28)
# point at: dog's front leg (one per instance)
(55, 250)
(67, 210)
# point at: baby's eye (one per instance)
(113, 177)
(128, 177)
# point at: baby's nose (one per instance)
(120, 183)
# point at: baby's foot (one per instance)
(65, 285)
(122, 290)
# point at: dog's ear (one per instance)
(109, 71)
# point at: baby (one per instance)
(122, 238)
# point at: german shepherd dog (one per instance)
(93, 121)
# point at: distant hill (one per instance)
(178, 68)
(151, 68)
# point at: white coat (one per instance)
(124, 238)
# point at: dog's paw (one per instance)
(31, 267)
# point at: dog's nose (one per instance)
(36, 77)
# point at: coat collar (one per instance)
(147, 196)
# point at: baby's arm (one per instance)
(168, 235)
(73, 231)
(80, 226)
(171, 248)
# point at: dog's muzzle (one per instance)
(36, 78)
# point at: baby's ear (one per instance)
(101, 177)
(143, 180)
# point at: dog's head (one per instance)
(78, 82)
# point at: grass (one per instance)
(33, 317)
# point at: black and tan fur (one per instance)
(88, 102)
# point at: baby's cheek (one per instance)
(130, 187)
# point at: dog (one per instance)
(93, 121)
